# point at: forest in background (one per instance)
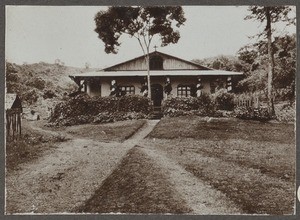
(252, 60)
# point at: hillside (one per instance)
(40, 85)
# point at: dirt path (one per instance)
(67, 175)
(200, 197)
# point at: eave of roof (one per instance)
(157, 73)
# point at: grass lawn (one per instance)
(30, 146)
(253, 163)
(116, 131)
(137, 185)
(35, 141)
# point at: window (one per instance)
(184, 90)
(156, 63)
(123, 90)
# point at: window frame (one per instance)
(128, 89)
(184, 90)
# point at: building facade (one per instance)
(170, 77)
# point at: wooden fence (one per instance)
(253, 100)
(13, 123)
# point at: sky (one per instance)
(46, 33)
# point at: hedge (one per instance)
(178, 106)
(84, 109)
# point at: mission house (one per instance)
(170, 77)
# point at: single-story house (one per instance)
(170, 76)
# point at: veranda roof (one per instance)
(158, 73)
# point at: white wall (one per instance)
(136, 82)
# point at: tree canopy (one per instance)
(141, 23)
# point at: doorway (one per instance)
(157, 94)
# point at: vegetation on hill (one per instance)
(40, 85)
(252, 60)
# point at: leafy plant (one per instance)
(224, 100)
(178, 106)
(259, 114)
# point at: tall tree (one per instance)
(141, 23)
(270, 15)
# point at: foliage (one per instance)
(254, 61)
(139, 22)
(260, 114)
(277, 13)
(202, 105)
(270, 15)
(224, 100)
(36, 82)
(84, 109)
(49, 94)
(30, 96)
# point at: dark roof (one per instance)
(12, 100)
(110, 68)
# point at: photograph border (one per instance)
(123, 3)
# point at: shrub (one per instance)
(12, 77)
(49, 94)
(203, 106)
(224, 100)
(259, 114)
(30, 96)
(84, 109)
(36, 82)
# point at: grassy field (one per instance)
(252, 163)
(36, 141)
(137, 185)
(30, 146)
(117, 131)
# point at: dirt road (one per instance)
(68, 175)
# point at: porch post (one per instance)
(199, 87)
(229, 83)
(168, 87)
(113, 88)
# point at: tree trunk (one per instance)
(148, 74)
(271, 62)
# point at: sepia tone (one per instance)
(158, 132)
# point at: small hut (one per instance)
(13, 110)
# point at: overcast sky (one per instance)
(46, 33)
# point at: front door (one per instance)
(157, 94)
